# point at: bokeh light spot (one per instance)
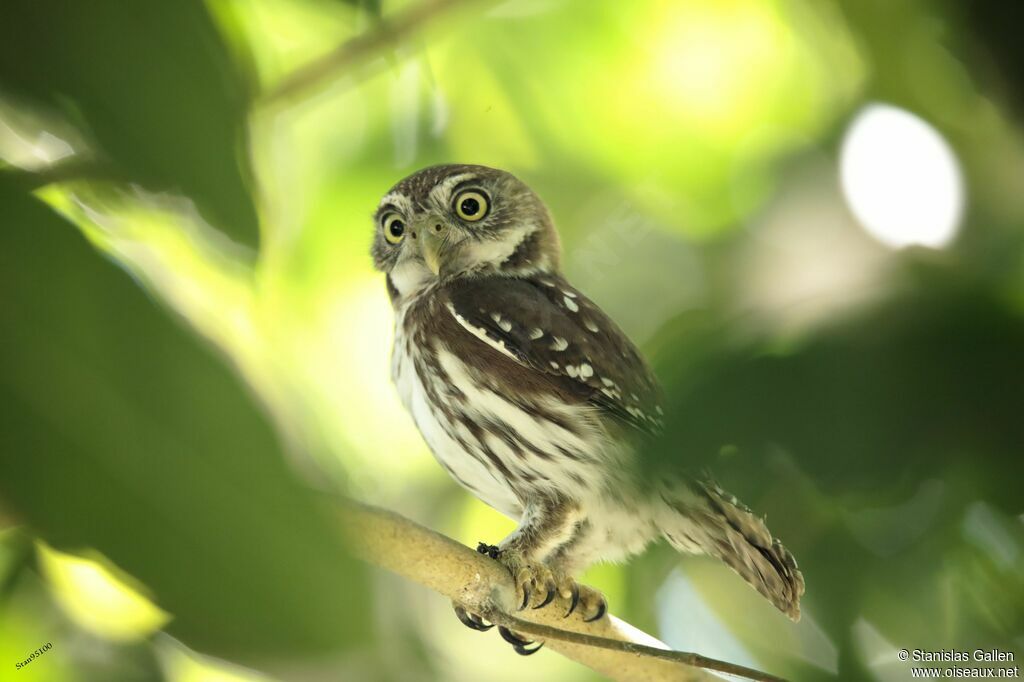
(901, 178)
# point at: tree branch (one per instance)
(388, 33)
(609, 646)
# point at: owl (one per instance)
(532, 398)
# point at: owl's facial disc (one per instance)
(446, 222)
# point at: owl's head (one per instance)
(451, 221)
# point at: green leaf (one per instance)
(151, 83)
(118, 431)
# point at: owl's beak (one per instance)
(433, 237)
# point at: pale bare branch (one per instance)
(609, 646)
(363, 48)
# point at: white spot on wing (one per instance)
(481, 334)
(589, 324)
(586, 371)
(559, 344)
(571, 304)
(536, 333)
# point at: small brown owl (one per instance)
(535, 401)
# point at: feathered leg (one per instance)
(546, 525)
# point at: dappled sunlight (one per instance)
(344, 356)
(722, 88)
(98, 597)
(163, 241)
(728, 186)
(288, 33)
(901, 178)
(34, 139)
(181, 664)
(715, 65)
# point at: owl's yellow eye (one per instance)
(394, 228)
(471, 205)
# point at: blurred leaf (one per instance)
(865, 445)
(371, 7)
(872, 405)
(120, 432)
(151, 83)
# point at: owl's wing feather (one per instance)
(546, 325)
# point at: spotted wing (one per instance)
(548, 326)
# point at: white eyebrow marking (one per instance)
(398, 200)
(442, 190)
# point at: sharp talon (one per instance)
(526, 597)
(515, 641)
(575, 600)
(463, 617)
(547, 600)
(601, 609)
(484, 625)
(523, 651)
(471, 620)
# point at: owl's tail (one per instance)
(701, 518)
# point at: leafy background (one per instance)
(193, 339)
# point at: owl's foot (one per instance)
(587, 601)
(523, 647)
(519, 645)
(471, 620)
(535, 583)
(538, 585)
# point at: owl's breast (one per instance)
(447, 431)
(503, 440)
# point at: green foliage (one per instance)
(671, 141)
(150, 84)
(872, 443)
(121, 433)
